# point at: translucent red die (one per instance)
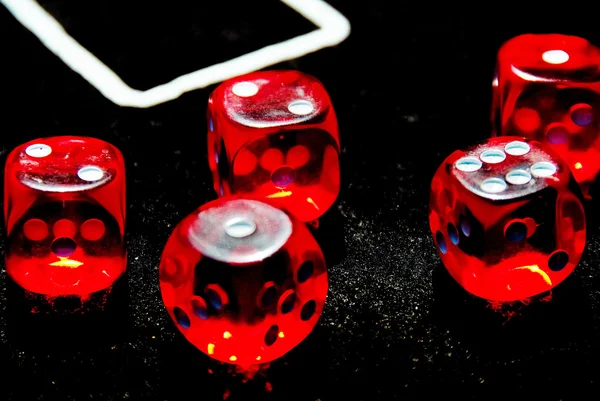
(274, 135)
(244, 281)
(507, 218)
(547, 88)
(64, 213)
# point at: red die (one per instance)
(507, 218)
(274, 134)
(64, 212)
(548, 89)
(244, 281)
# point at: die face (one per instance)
(508, 168)
(545, 57)
(274, 99)
(548, 89)
(566, 119)
(512, 247)
(298, 169)
(65, 247)
(64, 209)
(251, 302)
(285, 120)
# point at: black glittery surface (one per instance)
(395, 326)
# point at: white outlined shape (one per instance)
(333, 28)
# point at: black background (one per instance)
(395, 325)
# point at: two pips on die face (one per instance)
(64, 215)
(242, 277)
(274, 135)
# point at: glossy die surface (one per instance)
(274, 135)
(64, 211)
(243, 281)
(507, 218)
(548, 89)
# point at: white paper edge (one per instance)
(334, 28)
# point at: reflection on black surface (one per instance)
(74, 343)
(67, 323)
(299, 375)
(528, 346)
(512, 330)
